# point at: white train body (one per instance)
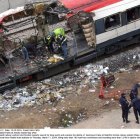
(125, 27)
(114, 21)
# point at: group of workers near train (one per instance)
(135, 103)
(56, 39)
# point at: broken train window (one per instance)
(112, 21)
(133, 14)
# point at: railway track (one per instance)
(115, 61)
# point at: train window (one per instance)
(112, 21)
(133, 14)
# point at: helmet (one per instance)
(49, 37)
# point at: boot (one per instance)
(127, 121)
(123, 120)
(137, 121)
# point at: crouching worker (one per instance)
(125, 107)
(60, 39)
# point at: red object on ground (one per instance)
(87, 5)
(101, 95)
(103, 85)
(105, 82)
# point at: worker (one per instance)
(62, 42)
(134, 101)
(135, 88)
(133, 94)
(25, 53)
(49, 40)
(125, 107)
(136, 107)
(59, 35)
(27, 50)
(59, 31)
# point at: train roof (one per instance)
(86, 5)
(101, 8)
(115, 8)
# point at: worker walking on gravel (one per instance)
(135, 102)
(134, 91)
(125, 107)
(136, 107)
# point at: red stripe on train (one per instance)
(100, 5)
(87, 5)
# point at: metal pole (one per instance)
(9, 4)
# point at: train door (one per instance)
(82, 25)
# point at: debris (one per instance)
(92, 90)
(107, 103)
(122, 69)
(134, 56)
(54, 109)
(7, 95)
(67, 118)
(122, 126)
(56, 88)
(111, 87)
(1, 97)
(136, 67)
(55, 59)
(2, 116)
(78, 91)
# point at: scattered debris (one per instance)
(107, 103)
(55, 58)
(56, 88)
(136, 67)
(67, 118)
(92, 90)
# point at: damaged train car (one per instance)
(93, 28)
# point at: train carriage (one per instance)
(95, 28)
(114, 22)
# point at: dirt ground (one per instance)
(108, 120)
(86, 103)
